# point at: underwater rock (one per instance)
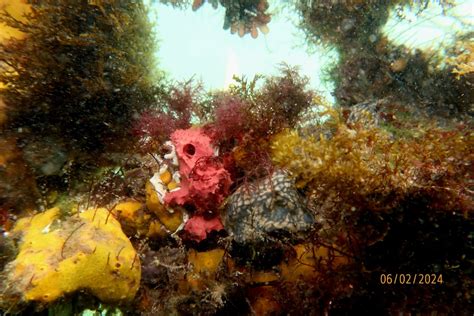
(61, 256)
(383, 113)
(343, 23)
(266, 206)
(46, 156)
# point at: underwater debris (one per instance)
(60, 256)
(256, 210)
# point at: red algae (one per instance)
(198, 227)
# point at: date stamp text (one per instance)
(411, 278)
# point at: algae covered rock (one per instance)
(87, 251)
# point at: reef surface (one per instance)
(123, 192)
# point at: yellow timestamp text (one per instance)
(411, 278)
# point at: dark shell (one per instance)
(269, 205)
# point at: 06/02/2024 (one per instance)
(411, 278)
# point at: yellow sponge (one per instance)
(170, 218)
(204, 267)
(87, 251)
